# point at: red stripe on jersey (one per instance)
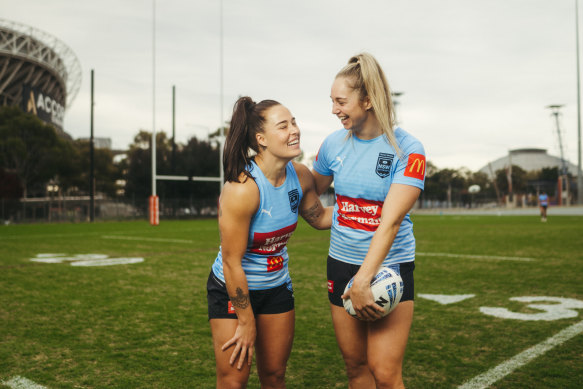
(359, 214)
(271, 242)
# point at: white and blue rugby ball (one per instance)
(387, 290)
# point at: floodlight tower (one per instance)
(579, 171)
(563, 171)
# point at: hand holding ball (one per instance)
(387, 290)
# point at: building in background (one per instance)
(38, 72)
(529, 160)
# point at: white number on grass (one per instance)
(559, 308)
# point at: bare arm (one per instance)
(234, 220)
(311, 208)
(322, 182)
(398, 202)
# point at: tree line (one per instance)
(33, 154)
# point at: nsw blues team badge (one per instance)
(294, 200)
(384, 164)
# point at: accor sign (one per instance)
(43, 106)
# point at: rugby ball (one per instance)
(387, 290)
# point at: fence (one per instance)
(75, 209)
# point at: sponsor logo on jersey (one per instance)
(274, 263)
(384, 163)
(230, 308)
(359, 214)
(330, 286)
(415, 166)
(294, 200)
(271, 242)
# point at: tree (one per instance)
(195, 159)
(519, 180)
(31, 149)
(106, 171)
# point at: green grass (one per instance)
(145, 325)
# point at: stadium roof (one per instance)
(34, 57)
(529, 159)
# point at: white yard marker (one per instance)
(488, 378)
(496, 257)
(445, 299)
(145, 239)
(22, 383)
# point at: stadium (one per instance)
(39, 73)
(122, 304)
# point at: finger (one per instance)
(379, 309)
(250, 352)
(242, 357)
(234, 354)
(373, 314)
(228, 344)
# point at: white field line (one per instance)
(18, 382)
(486, 379)
(146, 239)
(496, 257)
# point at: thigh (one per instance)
(223, 330)
(351, 335)
(275, 335)
(387, 337)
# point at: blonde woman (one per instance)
(378, 171)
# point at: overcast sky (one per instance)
(476, 76)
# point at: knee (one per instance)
(231, 382)
(387, 376)
(272, 378)
(356, 368)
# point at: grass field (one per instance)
(144, 325)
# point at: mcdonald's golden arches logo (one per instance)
(415, 166)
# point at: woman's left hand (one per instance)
(362, 300)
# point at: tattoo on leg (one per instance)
(313, 213)
(240, 300)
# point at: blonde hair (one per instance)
(366, 76)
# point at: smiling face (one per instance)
(348, 106)
(281, 135)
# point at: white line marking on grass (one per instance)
(147, 239)
(476, 256)
(18, 382)
(488, 378)
(108, 262)
(445, 299)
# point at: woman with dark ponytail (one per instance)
(250, 294)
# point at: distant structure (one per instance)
(528, 159)
(38, 72)
(99, 143)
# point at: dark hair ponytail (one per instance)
(246, 122)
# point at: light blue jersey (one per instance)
(265, 261)
(363, 171)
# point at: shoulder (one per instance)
(304, 175)
(331, 143)
(408, 143)
(234, 192)
(338, 135)
(301, 170)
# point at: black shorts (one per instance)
(339, 273)
(276, 300)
